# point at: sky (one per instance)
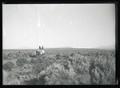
(26, 26)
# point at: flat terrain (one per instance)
(59, 66)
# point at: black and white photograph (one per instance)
(58, 44)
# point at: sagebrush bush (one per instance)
(72, 54)
(102, 70)
(35, 81)
(34, 61)
(5, 57)
(56, 74)
(8, 66)
(21, 61)
(37, 68)
(58, 56)
(32, 54)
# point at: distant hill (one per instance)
(111, 47)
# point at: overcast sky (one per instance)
(58, 25)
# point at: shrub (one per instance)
(9, 54)
(35, 61)
(8, 66)
(35, 81)
(105, 69)
(72, 54)
(21, 62)
(58, 56)
(32, 54)
(37, 68)
(65, 56)
(81, 65)
(5, 57)
(56, 74)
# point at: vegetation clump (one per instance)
(8, 66)
(21, 61)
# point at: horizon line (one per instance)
(61, 48)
